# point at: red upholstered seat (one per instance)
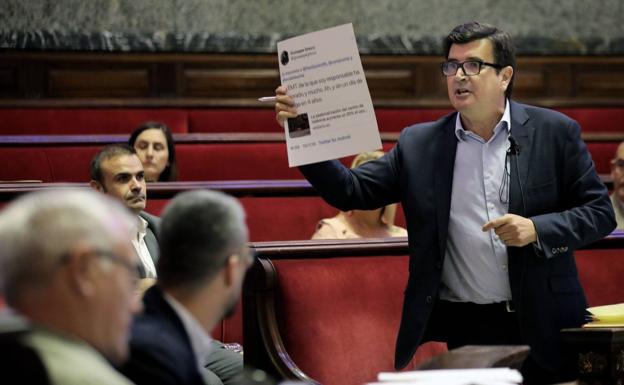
(279, 218)
(601, 272)
(596, 119)
(339, 316)
(50, 121)
(233, 120)
(76, 121)
(234, 161)
(20, 163)
(602, 153)
(396, 119)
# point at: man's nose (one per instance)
(136, 184)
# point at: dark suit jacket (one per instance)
(151, 237)
(557, 187)
(160, 349)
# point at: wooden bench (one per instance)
(328, 311)
(59, 119)
(224, 156)
(276, 209)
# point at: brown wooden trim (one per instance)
(371, 246)
(167, 190)
(237, 188)
(283, 364)
(247, 102)
(265, 346)
(223, 137)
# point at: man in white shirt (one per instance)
(203, 262)
(68, 268)
(117, 171)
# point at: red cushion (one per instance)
(597, 119)
(233, 120)
(284, 218)
(234, 161)
(71, 163)
(339, 320)
(602, 153)
(19, 163)
(76, 121)
(601, 272)
(394, 120)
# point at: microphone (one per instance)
(514, 147)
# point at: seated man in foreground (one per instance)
(203, 262)
(68, 267)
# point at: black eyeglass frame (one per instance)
(461, 65)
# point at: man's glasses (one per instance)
(132, 268)
(470, 67)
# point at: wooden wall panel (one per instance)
(606, 83)
(8, 81)
(218, 83)
(224, 80)
(95, 83)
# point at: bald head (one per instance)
(67, 264)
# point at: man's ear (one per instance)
(507, 75)
(97, 186)
(230, 269)
(81, 269)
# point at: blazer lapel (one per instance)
(523, 131)
(446, 147)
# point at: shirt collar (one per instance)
(200, 340)
(505, 122)
(141, 227)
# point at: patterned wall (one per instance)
(382, 26)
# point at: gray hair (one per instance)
(200, 230)
(39, 229)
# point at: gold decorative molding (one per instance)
(591, 362)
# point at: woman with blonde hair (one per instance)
(378, 223)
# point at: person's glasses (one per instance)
(470, 67)
(618, 163)
(132, 268)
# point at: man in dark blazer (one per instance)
(203, 262)
(497, 196)
(116, 170)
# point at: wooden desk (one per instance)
(596, 354)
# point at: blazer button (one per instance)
(428, 299)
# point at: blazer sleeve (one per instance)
(372, 185)
(587, 215)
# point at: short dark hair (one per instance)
(200, 229)
(170, 173)
(108, 152)
(502, 45)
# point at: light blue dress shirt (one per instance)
(475, 264)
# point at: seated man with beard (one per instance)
(202, 264)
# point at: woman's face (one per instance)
(151, 146)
